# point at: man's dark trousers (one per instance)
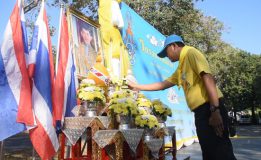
(212, 146)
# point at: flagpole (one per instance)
(58, 43)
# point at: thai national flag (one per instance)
(43, 137)
(65, 82)
(15, 91)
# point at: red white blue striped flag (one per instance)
(65, 81)
(43, 137)
(15, 92)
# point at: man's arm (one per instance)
(150, 87)
(215, 119)
(211, 89)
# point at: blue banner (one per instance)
(143, 42)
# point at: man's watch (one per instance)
(213, 108)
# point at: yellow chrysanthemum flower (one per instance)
(89, 92)
(144, 102)
(149, 121)
(161, 110)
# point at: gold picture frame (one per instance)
(86, 41)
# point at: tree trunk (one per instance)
(235, 115)
(253, 114)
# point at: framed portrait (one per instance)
(86, 41)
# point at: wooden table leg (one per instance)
(89, 143)
(95, 128)
(174, 146)
(119, 149)
(99, 153)
(62, 148)
(162, 150)
(78, 148)
(146, 151)
(161, 153)
(139, 150)
(73, 150)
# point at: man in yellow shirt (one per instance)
(202, 95)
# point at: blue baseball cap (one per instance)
(170, 39)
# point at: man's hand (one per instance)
(132, 86)
(216, 122)
(149, 87)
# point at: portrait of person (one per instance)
(85, 45)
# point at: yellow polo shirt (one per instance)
(193, 64)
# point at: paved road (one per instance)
(247, 145)
(18, 147)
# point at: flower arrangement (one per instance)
(142, 101)
(118, 83)
(122, 102)
(147, 121)
(161, 110)
(144, 105)
(143, 111)
(89, 92)
(87, 83)
(121, 94)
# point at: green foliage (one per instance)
(87, 7)
(257, 84)
(180, 17)
(235, 71)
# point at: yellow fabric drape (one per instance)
(113, 45)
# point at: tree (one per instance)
(88, 7)
(235, 71)
(257, 84)
(181, 17)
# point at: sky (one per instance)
(240, 18)
(6, 8)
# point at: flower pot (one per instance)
(161, 121)
(162, 125)
(90, 108)
(124, 126)
(148, 134)
(124, 121)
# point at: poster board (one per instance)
(143, 42)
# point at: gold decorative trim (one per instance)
(83, 17)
